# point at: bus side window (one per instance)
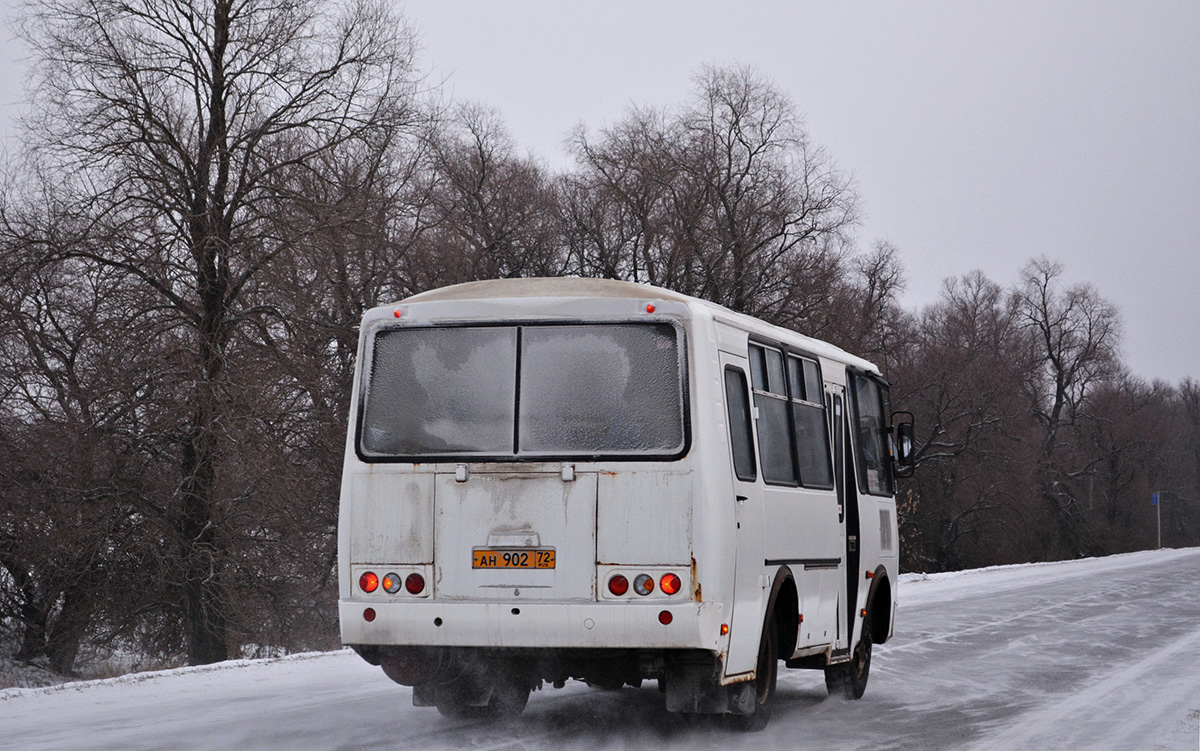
(809, 424)
(737, 402)
(871, 454)
(775, 446)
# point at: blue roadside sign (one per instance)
(1154, 499)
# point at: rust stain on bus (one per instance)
(695, 583)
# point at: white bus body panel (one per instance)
(680, 515)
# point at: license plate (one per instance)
(527, 558)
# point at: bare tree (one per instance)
(1075, 338)
(725, 199)
(174, 131)
(491, 212)
(963, 377)
(72, 470)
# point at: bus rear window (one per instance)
(440, 391)
(589, 389)
(536, 391)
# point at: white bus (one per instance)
(555, 479)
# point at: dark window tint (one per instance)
(738, 404)
(775, 382)
(796, 378)
(774, 431)
(758, 368)
(812, 382)
(610, 389)
(812, 446)
(808, 423)
(871, 454)
(839, 455)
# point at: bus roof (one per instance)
(580, 287)
(555, 286)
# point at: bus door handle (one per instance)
(742, 499)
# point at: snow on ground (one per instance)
(1100, 654)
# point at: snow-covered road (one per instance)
(1097, 654)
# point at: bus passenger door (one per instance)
(835, 402)
(746, 499)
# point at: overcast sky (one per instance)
(979, 134)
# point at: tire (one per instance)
(849, 679)
(462, 698)
(767, 675)
(509, 698)
(454, 708)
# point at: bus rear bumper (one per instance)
(534, 625)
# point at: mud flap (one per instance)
(696, 689)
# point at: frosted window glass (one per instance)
(600, 389)
(441, 391)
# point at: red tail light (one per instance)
(669, 584)
(665, 618)
(415, 584)
(368, 582)
(618, 585)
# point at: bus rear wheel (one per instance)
(499, 696)
(767, 674)
(850, 678)
(509, 697)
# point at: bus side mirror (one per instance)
(905, 443)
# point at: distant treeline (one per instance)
(208, 196)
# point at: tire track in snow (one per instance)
(984, 626)
(1137, 691)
